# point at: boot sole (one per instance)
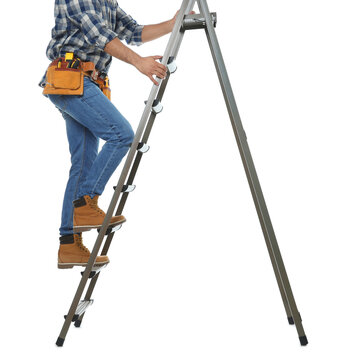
(91, 227)
(71, 265)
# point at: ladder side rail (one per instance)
(139, 155)
(123, 199)
(135, 164)
(249, 167)
(250, 170)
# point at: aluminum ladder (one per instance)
(184, 21)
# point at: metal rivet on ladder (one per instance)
(143, 147)
(126, 188)
(156, 106)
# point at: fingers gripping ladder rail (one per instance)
(207, 21)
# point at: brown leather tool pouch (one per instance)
(63, 81)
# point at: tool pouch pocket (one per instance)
(64, 81)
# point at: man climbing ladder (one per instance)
(183, 21)
(86, 35)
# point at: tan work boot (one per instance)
(87, 214)
(72, 253)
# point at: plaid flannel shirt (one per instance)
(84, 27)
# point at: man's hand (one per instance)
(149, 67)
(172, 21)
(146, 65)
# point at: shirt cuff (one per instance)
(136, 38)
(105, 36)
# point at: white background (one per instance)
(190, 276)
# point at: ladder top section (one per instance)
(197, 21)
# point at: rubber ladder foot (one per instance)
(303, 340)
(60, 341)
(77, 323)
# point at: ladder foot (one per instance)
(60, 341)
(77, 323)
(303, 340)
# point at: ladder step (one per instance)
(116, 228)
(126, 188)
(143, 147)
(95, 270)
(156, 106)
(111, 228)
(81, 308)
(171, 64)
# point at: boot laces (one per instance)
(93, 203)
(78, 241)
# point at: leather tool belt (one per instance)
(66, 77)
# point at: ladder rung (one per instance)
(95, 270)
(156, 106)
(81, 308)
(143, 147)
(111, 228)
(126, 188)
(116, 228)
(171, 64)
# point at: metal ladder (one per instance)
(203, 20)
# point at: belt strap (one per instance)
(98, 80)
(88, 68)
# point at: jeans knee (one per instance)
(125, 137)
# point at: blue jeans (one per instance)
(88, 118)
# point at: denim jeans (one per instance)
(88, 118)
